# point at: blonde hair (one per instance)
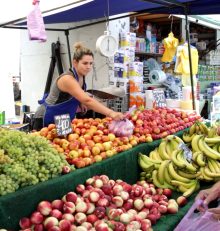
(80, 51)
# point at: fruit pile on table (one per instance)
(26, 160)
(103, 204)
(91, 141)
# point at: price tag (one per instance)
(159, 98)
(186, 152)
(216, 103)
(63, 124)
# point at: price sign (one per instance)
(216, 103)
(63, 124)
(215, 118)
(159, 98)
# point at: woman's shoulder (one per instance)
(69, 72)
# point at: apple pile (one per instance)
(103, 204)
(160, 122)
(91, 141)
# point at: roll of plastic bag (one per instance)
(157, 77)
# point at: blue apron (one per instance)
(68, 107)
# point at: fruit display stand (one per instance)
(122, 166)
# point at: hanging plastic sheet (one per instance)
(35, 23)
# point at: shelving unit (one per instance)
(140, 53)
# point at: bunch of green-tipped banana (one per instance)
(199, 128)
(163, 152)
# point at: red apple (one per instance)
(181, 201)
(167, 192)
(44, 207)
(80, 218)
(49, 222)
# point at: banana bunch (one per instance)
(168, 145)
(198, 128)
(168, 176)
(206, 155)
(154, 155)
(199, 158)
(187, 188)
(200, 143)
(168, 167)
(187, 138)
(147, 164)
(212, 132)
(181, 162)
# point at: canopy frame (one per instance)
(165, 3)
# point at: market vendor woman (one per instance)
(67, 92)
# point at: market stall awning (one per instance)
(99, 9)
(69, 11)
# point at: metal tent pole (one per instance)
(190, 59)
(68, 46)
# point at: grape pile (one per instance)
(26, 159)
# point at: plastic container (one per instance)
(149, 99)
(2, 117)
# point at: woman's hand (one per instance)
(83, 108)
(207, 196)
(216, 213)
(116, 115)
(202, 195)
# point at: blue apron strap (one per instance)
(42, 101)
(75, 74)
(77, 77)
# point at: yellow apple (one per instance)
(101, 147)
(107, 145)
(72, 137)
(149, 139)
(95, 150)
(73, 154)
(111, 136)
(109, 153)
(98, 158)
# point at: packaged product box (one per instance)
(135, 69)
(135, 84)
(127, 39)
(118, 70)
(140, 99)
(132, 100)
(129, 54)
(137, 99)
(125, 71)
(119, 56)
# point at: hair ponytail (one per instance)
(80, 51)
